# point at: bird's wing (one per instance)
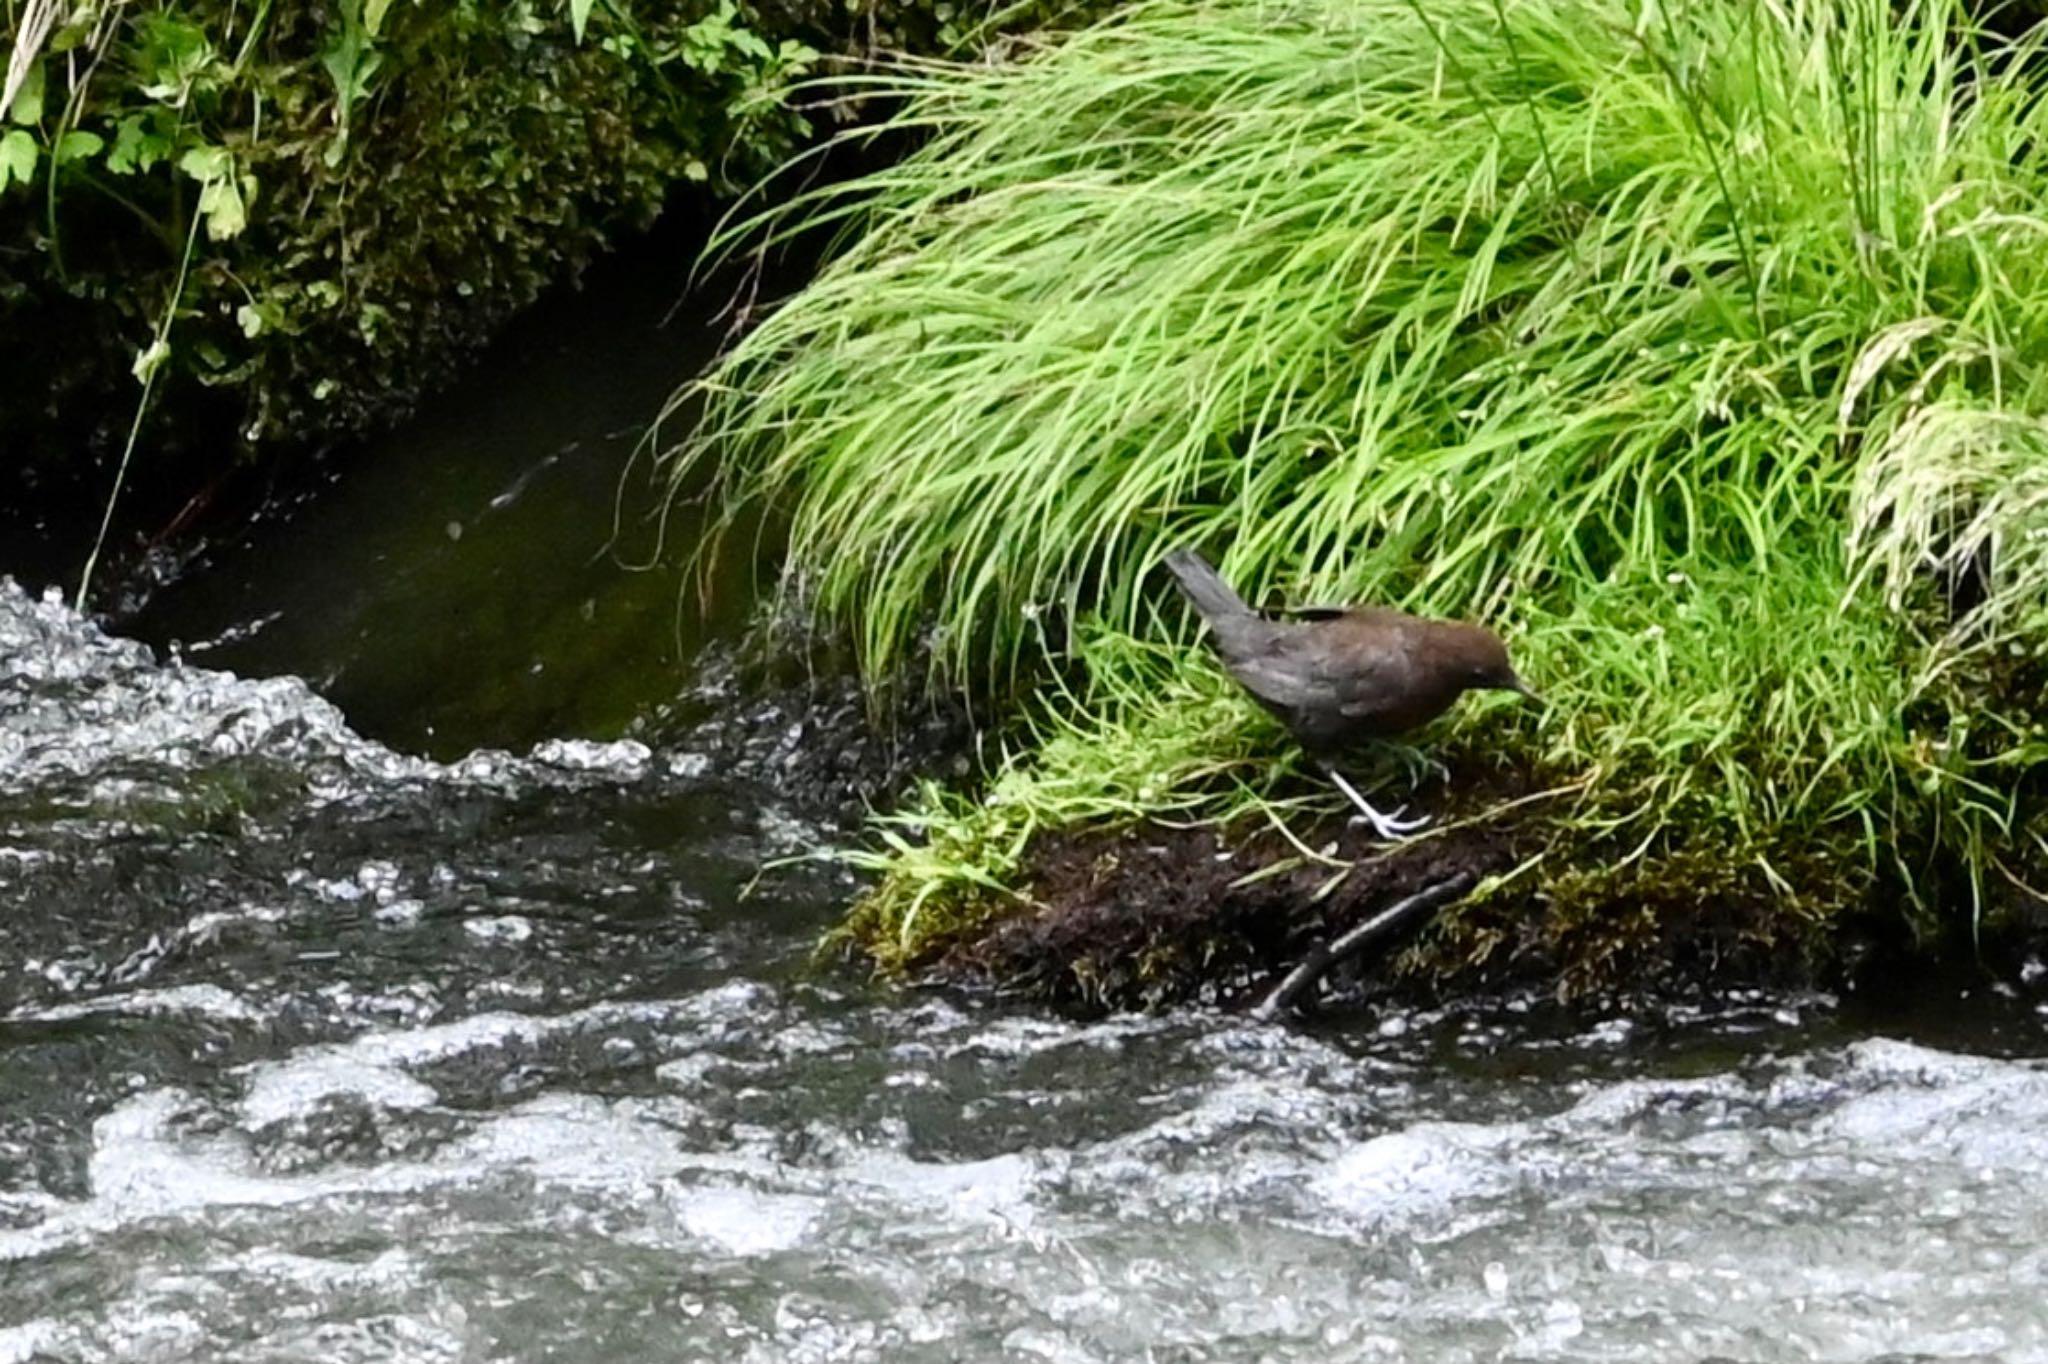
(1274, 661)
(1366, 663)
(1328, 667)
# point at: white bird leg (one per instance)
(1390, 827)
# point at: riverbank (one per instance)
(1701, 361)
(1158, 916)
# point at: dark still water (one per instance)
(311, 1050)
(505, 568)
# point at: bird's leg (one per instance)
(1390, 827)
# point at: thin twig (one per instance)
(1355, 940)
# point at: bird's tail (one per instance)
(1203, 586)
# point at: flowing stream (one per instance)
(484, 1040)
(314, 1051)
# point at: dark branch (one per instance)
(1353, 941)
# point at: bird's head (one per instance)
(1474, 658)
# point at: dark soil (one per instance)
(1160, 914)
(1157, 915)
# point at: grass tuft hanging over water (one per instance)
(1701, 346)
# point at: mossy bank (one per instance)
(1700, 348)
(286, 222)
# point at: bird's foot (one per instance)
(1390, 827)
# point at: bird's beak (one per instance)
(1516, 684)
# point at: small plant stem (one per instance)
(160, 340)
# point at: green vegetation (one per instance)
(362, 190)
(1703, 345)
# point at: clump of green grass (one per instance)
(1702, 342)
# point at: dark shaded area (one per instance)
(484, 154)
(497, 572)
(583, 370)
(490, 155)
(794, 721)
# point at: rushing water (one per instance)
(312, 1051)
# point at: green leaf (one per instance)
(225, 208)
(76, 31)
(148, 361)
(173, 58)
(373, 15)
(252, 320)
(579, 15)
(18, 152)
(350, 60)
(350, 66)
(75, 144)
(131, 147)
(206, 164)
(28, 100)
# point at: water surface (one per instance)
(314, 1050)
(506, 567)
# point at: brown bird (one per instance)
(1339, 676)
